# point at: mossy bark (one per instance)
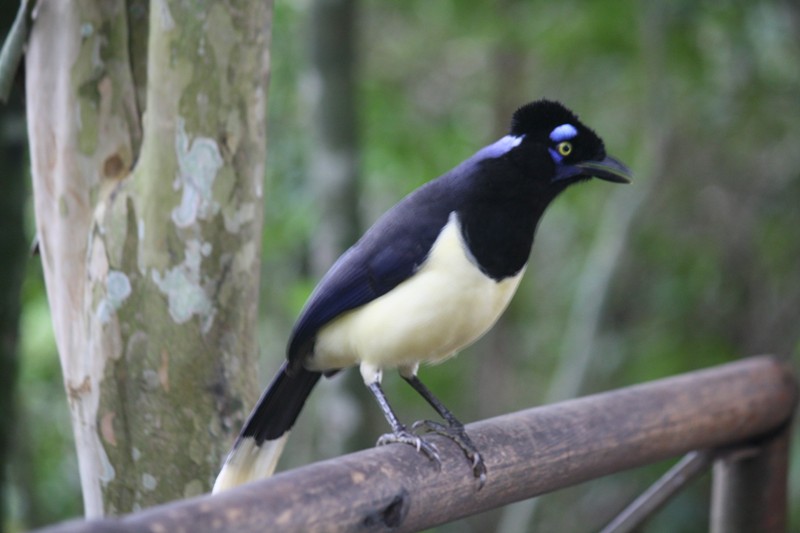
(147, 132)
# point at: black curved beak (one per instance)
(608, 169)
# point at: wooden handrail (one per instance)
(527, 453)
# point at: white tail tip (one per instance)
(249, 462)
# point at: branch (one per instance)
(528, 453)
(13, 48)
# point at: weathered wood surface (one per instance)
(527, 453)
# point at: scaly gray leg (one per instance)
(399, 432)
(454, 430)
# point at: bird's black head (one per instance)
(550, 140)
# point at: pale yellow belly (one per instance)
(447, 305)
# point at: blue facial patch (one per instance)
(563, 132)
(555, 155)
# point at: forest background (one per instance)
(694, 264)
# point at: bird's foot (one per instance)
(457, 434)
(403, 436)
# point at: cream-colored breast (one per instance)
(446, 305)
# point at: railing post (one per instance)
(749, 489)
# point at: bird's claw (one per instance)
(457, 434)
(404, 436)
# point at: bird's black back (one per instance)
(498, 195)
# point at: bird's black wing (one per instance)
(388, 253)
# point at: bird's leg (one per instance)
(454, 430)
(399, 432)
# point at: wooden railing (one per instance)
(735, 416)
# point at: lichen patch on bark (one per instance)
(199, 161)
(183, 287)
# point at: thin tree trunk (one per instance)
(334, 181)
(334, 155)
(14, 251)
(149, 224)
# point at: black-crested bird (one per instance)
(429, 278)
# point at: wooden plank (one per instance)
(527, 453)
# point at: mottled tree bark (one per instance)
(147, 134)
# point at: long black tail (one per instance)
(258, 447)
(279, 406)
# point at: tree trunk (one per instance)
(334, 172)
(14, 253)
(147, 135)
(334, 165)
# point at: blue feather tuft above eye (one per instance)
(563, 132)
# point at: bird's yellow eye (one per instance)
(564, 148)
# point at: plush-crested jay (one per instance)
(430, 277)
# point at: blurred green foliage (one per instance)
(701, 99)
